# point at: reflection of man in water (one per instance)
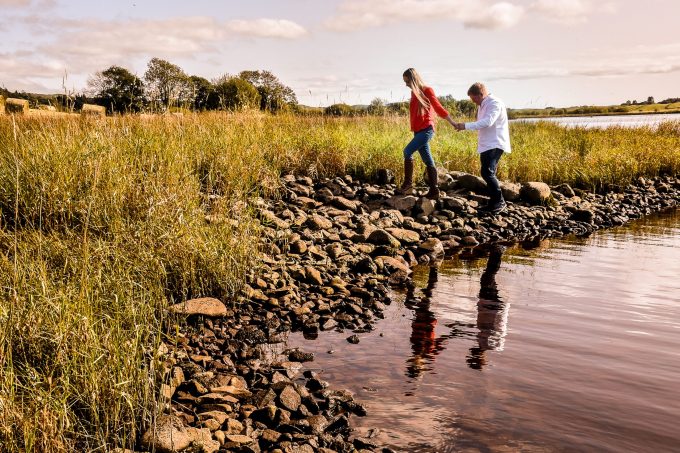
(492, 313)
(424, 345)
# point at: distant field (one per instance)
(596, 110)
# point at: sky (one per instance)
(530, 53)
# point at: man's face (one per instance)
(477, 98)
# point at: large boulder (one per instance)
(535, 193)
(511, 190)
(471, 182)
(169, 435)
(425, 206)
(402, 202)
(405, 236)
(204, 306)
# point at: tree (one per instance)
(377, 107)
(234, 93)
(274, 95)
(166, 83)
(118, 90)
(650, 100)
(202, 91)
(339, 110)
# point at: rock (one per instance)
(469, 241)
(394, 264)
(425, 206)
(167, 436)
(566, 190)
(535, 193)
(270, 218)
(344, 203)
(384, 176)
(403, 203)
(382, 237)
(471, 182)
(354, 339)
(298, 247)
(220, 417)
(300, 356)
(433, 246)
(270, 436)
(205, 306)
(318, 222)
(404, 236)
(582, 215)
(202, 440)
(456, 204)
(442, 176)
(239, 439)
(511, 190)
(313, 276)
(289, 398)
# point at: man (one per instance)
(493, 140)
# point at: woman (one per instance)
(424, 105)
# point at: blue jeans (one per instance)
(421, 143)
(489, 160)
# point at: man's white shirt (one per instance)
(492, 124)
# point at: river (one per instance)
(608, 120)
(559, 345)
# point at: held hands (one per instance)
(459, 126)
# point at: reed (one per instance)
(106, 221)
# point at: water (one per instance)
(568, 345)
(607, 121)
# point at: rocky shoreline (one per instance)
(331, 249)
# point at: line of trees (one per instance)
(165, 85)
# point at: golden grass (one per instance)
(104, 224)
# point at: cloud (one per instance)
(15, 2)
(267, 28)
(571, 11)
(358, 14)
(603, 70)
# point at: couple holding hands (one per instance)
(491, 124)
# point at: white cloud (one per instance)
(357, 14)
(14, 2)
(612, 69)
(571, 11)
(267, 28)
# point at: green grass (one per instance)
(633, 109)
(103, 223)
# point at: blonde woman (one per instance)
(423, 108)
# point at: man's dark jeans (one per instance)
(489, 160)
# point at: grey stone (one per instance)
(535, 193)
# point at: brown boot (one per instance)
(433, 193)
(407, 187)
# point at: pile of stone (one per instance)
(330, 250)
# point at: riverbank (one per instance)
(330, 250)
(105, 222)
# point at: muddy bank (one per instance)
(330, 251)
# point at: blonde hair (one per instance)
(416, 84)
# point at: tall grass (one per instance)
(106, 221)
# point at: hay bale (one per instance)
(13, 105)
(2, 105)
(94, 110)
(47, 108)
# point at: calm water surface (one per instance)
(571, 345)
(610, 120)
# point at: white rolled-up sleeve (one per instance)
(490, 115)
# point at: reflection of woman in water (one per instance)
(492, 313)
(424, 345)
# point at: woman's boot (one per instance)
(407, 187)
(432, 177)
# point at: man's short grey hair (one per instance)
(477, 89)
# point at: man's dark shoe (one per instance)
(497, 208)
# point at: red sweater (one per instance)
(420, 121)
